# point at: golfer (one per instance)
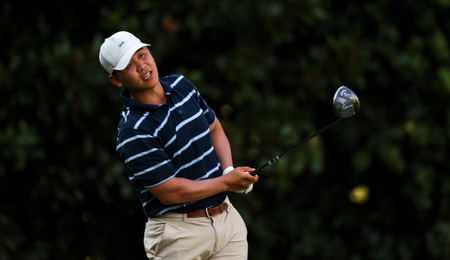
(177, 157)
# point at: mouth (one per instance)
(148, 75)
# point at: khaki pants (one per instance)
(174, 236)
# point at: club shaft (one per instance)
(295, 146)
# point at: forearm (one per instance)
(180, 190)
(221, 145)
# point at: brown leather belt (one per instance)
(209, 211)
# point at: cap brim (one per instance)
(123, 62)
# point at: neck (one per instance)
(155, 96)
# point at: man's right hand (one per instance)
(240, 177)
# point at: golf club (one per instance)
(345, 104)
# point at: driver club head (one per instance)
(345, 102)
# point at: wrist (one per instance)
(227, 170)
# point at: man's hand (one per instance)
(248, 188)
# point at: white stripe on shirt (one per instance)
(209, 172)
(132, 139)
(189, 164)
(176, 81)
(138, 123)
(153, 168)
(125, 115)
(141, 154)
(198, 137)
(179, 126)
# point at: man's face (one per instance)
(141, 72)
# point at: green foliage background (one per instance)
(269, 68)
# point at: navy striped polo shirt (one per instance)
(157, 143)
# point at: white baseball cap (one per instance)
(117, 50)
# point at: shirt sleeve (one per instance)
(209, 114)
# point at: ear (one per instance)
(114, 80)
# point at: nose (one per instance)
(140, 65)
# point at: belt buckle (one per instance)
(207, 212)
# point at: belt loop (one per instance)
(207, 212)
(184, 217)
(227, 200)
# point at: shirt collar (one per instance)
(136, 105)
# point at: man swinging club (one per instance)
(177, 157)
